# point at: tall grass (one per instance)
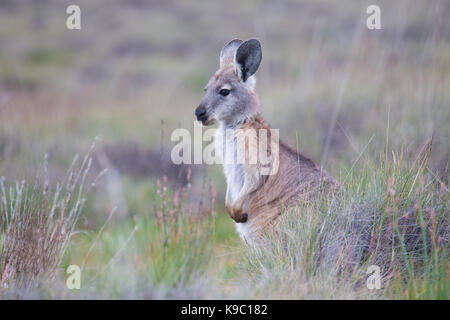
(394, 216)
(36, 224)
(182, 241)
(167, 253)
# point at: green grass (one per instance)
(61, 89)
(391, 214)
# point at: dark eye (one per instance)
(224, 92)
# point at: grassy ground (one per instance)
(363, 103)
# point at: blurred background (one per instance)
(136, 70)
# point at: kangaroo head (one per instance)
(230, 93)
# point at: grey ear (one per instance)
(248, 57)
(228, 52)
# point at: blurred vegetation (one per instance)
(350, 98)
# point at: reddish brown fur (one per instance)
(298, 178)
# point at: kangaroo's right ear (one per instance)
(228, 52)
(247, 59)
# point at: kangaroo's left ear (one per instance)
(229, 51)
(247, 59)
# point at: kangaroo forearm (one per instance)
(251, 184)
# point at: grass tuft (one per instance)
(36, 224)
(394, 216)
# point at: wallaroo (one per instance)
(254, 199)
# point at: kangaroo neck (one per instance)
(237, 122)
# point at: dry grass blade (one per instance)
(36, 224)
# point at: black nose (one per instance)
(242, 218)
(200, 113)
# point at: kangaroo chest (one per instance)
(233, 171)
